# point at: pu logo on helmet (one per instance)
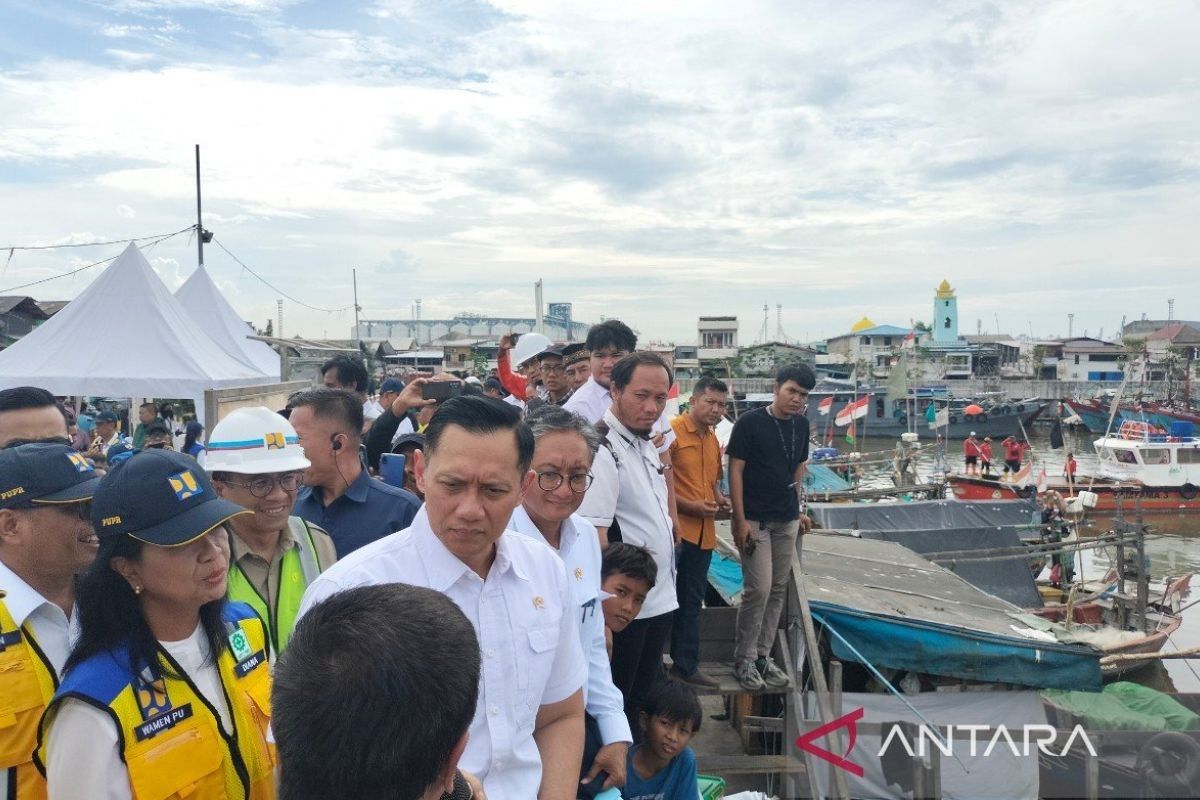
(275, 441)
(185, 485)
(79, 462)
(107, 521)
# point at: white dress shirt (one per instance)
(592, 401)
(579, 550)
(55, 634)
(524, 617)
(83, 757)
(636, 495)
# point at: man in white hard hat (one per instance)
(256, 461)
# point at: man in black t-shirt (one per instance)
(767, 453)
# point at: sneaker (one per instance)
(772, 675)
(748, 677)
(697, 679)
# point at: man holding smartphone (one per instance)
(767, 452)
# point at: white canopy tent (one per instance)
(209, 309)
(125, 336)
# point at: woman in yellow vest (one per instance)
(167, 692)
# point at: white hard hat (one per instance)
(528, 346)
(251, 441)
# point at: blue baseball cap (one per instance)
(159, 497)
(391, 385)
(106, 416)
(39, 474)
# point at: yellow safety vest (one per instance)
(299, 568)
(27, 684)
(171, 737)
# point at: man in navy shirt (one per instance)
(767, 453)
(338, 493)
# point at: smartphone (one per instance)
(462, 789)
(440, 390)
(595, 788)
(391, 469)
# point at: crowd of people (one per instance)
(261, 614)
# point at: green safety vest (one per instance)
(298, 570)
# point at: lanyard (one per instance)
(789, 455)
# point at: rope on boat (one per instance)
(934, 729)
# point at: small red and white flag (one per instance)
(825, 406)
(852, 411)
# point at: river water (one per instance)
(1173, 547)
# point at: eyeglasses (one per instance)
(579, 482)
(262, 486)
(82, 509)
(552, 369)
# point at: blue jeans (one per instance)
(691, 578)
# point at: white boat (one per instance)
(1146, 454)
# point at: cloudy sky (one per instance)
(653, 161)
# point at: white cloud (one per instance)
(655, 161)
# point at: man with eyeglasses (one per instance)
(46, 541)
(564, 446)
(256, 461)
(554, 375)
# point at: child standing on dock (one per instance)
(663, 767)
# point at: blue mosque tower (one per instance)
(945, 315)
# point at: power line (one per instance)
(157, 240)
(159, 236)
(276, 289)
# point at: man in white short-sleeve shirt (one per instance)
(526, 738)
(630, 489)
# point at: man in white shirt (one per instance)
(562, 458)
(630, 491)
(526, 737)
(46, 539)
(608, 343)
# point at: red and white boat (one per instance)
(1141, 463)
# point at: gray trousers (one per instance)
(765, 575)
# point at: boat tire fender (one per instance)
(982, 417)
(1188, 491)
(1170, 763)
(953, 419)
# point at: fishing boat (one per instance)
(1095, 413)
(1142, 464)
(901, 611)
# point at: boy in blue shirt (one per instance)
(663, 767)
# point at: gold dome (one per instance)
(862, 325)
(944, 289)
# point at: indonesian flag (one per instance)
(1043, 481)
(852, 411)
(941, 419)
(911, 339)
(825, 406)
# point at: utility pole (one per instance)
(354, 278)
(1070, 325)
(1170, 309)
(539, 324)
(202, 236)
(279, 320)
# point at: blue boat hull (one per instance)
(924, 646)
